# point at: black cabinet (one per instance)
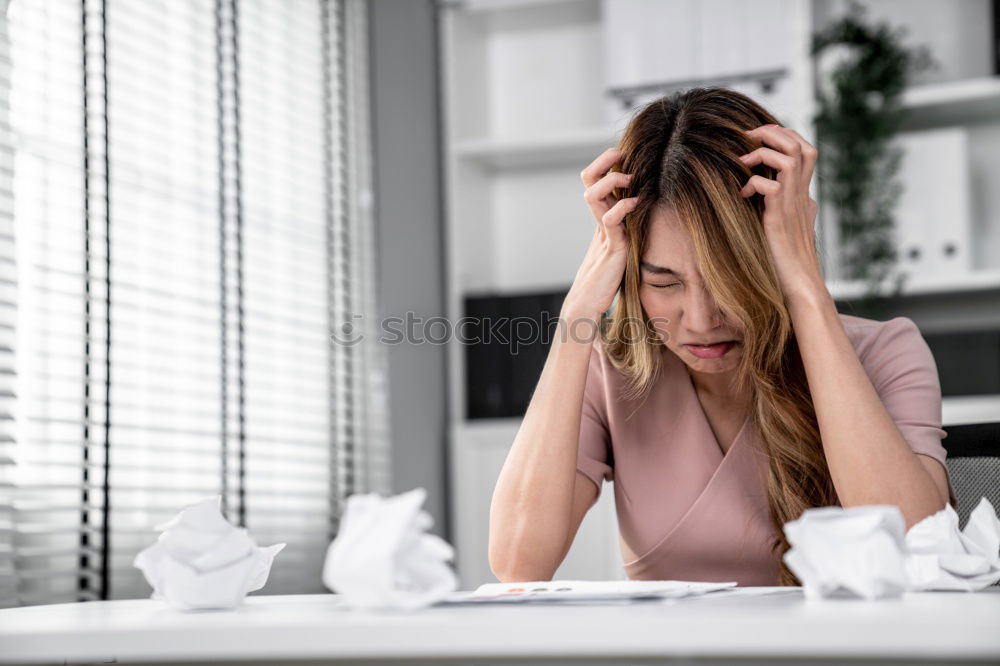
(506, 340)
(967, 363)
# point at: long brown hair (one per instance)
(683, 151)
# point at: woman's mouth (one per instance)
(711, 351)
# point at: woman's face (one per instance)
(679, 305)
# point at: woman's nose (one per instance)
(701, 312)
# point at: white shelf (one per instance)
(955, 410)
(924, 285)
(953, 102)
(473, 6)
(928, 106)
(573, 147)
(965, 409)
(507, 425)
(920, 285)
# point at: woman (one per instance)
(725, 394)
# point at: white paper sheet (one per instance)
(562, 591)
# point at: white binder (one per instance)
(933, 212)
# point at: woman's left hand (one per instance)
(789, 212)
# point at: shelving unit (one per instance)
(527, 106)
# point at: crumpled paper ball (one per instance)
(201, 561)
(382, 559)
(865, 550)
(940, 557)
(859, 549)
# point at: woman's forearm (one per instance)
(869, 461)
(530, 513)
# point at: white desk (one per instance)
(931, 627)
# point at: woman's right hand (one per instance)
(599, 277)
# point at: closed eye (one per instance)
(663, 286)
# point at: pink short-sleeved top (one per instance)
(688, 511)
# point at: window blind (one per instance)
(192, 217)
(8, 300)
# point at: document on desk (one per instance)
(563, 591)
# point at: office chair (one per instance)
(974, 465)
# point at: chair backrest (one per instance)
(974, 465)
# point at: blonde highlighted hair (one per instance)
(683, 151)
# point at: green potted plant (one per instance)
(857, 118)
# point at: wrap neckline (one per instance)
(699, 410)
(721, 477)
